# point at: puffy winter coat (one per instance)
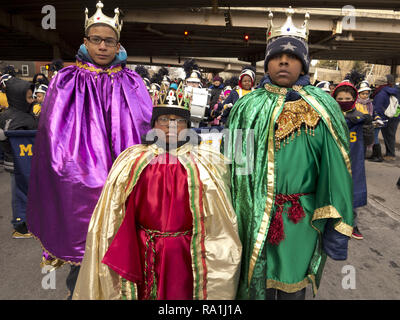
(16, 117)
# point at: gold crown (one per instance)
(178, 98)
(115, 23)
(288, 28)
(154, 92)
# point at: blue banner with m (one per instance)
(22, 142)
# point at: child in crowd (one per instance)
(246, 85)
(16, 117)
(364, 105)
(361, 134)
(39, 94)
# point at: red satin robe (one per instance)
(158, 202)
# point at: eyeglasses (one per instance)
(109, 42)
(166, 121)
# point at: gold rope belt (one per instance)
(150, 280)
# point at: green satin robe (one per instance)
(318, 164)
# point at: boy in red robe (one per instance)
(164, 227)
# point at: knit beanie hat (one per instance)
(390, 78)
(218, 78)
(288, 44)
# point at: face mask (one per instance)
(346, 105)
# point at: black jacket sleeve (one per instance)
(334, 243)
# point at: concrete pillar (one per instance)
(393, 70)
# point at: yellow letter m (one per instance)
(25, 149)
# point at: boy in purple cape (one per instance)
(92, 112)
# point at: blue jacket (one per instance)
(215, 92)
(232, 98)
(381, 100)
(358, 123)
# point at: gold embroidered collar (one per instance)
(293, 115)
(109, 71)
(280, 90)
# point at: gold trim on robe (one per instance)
(331, 212)
(292, 117)
(292, 287)
(262, 232)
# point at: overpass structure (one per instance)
(153, 31)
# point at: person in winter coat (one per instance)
(381, 100)
(3, 98)
(216, 110)
(361, 134)
(17, 117)
(216, 89)
(364, 104)
(3, 105)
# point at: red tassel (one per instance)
(275, 232)
(296, 212)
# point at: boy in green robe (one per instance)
(291, 174)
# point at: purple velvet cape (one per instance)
(88, 118)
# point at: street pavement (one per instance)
(376, 259)
(372, 270)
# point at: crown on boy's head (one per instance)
(288, 28)
(288, 39)
(178, 98)
(176, 102)
(115, 23)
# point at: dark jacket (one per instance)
(360, 128)
(215, 92)
(16, 117)
(382, 99)
(230, 101)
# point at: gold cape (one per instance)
(216, 248)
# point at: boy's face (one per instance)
(284, 69)
(193, 84)
(101, 53)
(364, 95)
(39, 97)
(344, 97)
(39, 78)
(246, 82)
(217, 83)
(171, 125)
